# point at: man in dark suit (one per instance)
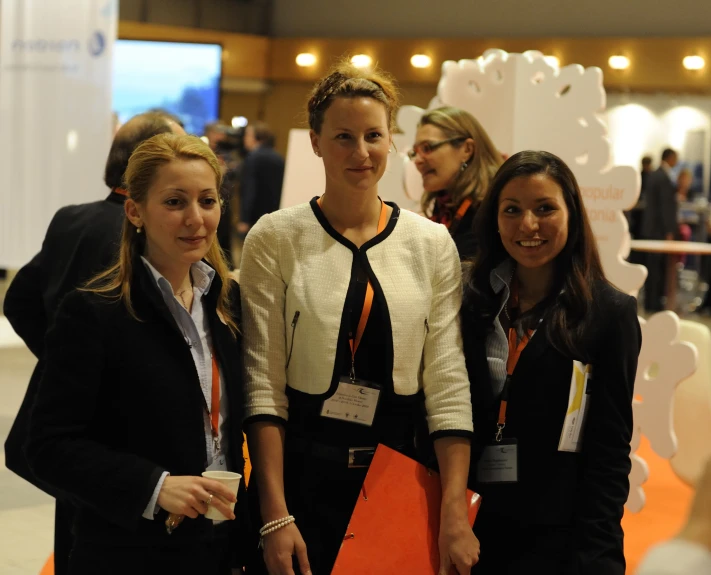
(81, 241)
(262, 177)
(659, 222)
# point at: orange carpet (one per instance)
(667, 504)
(663, 515)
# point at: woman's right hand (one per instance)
(187, 495)
(279, 547)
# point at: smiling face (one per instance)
(533, 220)
(180, 214)
(354, 143)
(441, 166)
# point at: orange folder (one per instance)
(395, 525)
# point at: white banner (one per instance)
(55, 113)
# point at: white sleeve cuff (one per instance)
(152, 507)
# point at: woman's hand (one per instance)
(280, 546)
(187, 495)
(458, 545)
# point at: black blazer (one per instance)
(661, 206)
(80, 241)
(585, 491)
(120, 403)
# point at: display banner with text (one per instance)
(55, 113)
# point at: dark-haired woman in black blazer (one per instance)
(552, 353)
(141, 391)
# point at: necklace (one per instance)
(182, 292)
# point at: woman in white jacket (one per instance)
(348, 297)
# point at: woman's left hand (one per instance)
(458, 546)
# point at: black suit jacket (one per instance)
(661, 206)
(260, 187)
(584, 491)
(120, 403)
(80, 241)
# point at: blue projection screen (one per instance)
(182, 78)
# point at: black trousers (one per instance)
(321, 495)
(63, 538)
(198, 558)
(511, 549)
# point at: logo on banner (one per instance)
(41, 45)
(97, 44)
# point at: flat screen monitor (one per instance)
(182, 78)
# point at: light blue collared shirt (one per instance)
(195, 328)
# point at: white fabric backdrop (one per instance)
(55, 113)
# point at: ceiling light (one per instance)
(552, 61)
(305, 60)
(361, 60)
(619, 62)
(421, 61)
(694, 63)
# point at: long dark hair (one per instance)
(577, 268)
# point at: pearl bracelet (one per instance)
(276, 522)
(264, 531)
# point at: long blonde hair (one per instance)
(474, 180)
(143, 165)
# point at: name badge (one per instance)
(499, 463)
(354, 401)
(571, 437)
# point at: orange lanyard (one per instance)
(120, 191)
(368, 303)
(515, 349)
(215, 404)
(463, 208)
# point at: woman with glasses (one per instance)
(457, 159)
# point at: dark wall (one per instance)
(240, 16)
(490, 18)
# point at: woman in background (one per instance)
(457, 161)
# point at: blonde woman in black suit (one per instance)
(142, 386)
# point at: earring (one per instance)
(317, 153)
(464, 166)
(138, 230)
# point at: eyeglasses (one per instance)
(426, 148)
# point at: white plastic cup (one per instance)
(231, 481)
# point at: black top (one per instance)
(81, 241)
(396, 414)
(462, 232)
(120, 403)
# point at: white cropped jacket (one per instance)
(293, 261)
